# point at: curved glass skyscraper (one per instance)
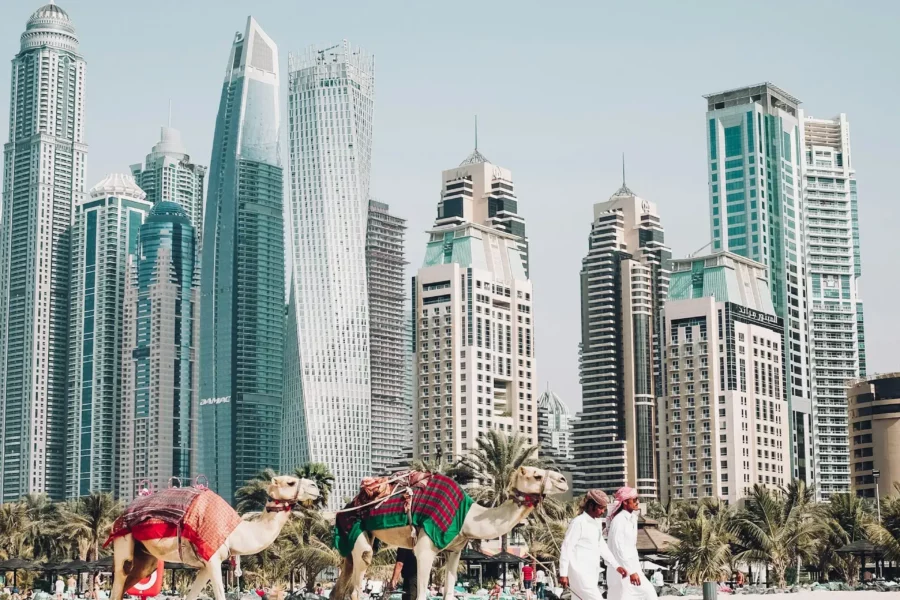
(159, 376)
(327, 393)
(242, 273)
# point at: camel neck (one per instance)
(258, 534)
(488, 523)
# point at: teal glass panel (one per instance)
(749, 131)
(733, 141)
(712, 138)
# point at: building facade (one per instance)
(755, 166)
(242, 273)
(104, 235)
(836, 333)
(168, 175)
(554, 425)
(328, 387)
(473, 332)
(875, 435)
(385, 264)
(624, 281)
(158, 429)
(723, 417)
(43, 179)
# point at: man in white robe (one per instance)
(623, 521)
(582, 549)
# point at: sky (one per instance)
(561, 90)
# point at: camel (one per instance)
(135, 560)
(528, 485)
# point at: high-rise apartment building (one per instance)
(328, 394)
(43, 178)
(723, 417)
(158, 422)
(168, 175)
(836, 335)
(554, 425)
(242, 272)
(755, 164)
(473, 332)
(624, 281)
(104, 235)
(385, 263)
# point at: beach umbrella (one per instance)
(18, 564)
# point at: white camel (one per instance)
(527, 484)
(135, 560)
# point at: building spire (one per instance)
(170, 113)
(476, 157)
(476, 133)
(624, 190)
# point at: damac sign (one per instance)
(219, 400)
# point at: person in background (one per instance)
(406, 568)
(657, 580)
(583, 547)
(495, 591)
(540, 581)
(623, 525)
(739, 579)
(60, 588)
(527, 579)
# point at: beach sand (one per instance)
(807, 595)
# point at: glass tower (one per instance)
(242, 273)
(44, 163)
(328, 398)
(837, 339)
(158, 426)
(756, 181)
(104, 235)
(624, 282)
(168, 175)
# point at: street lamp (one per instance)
(875, 475)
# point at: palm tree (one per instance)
(307, 547)
(778, 527)
(665, 514)
(87, 522)
(848, 516)
(322, 476)
(13, 525)
(887, 533)
(40, 536)
(704, 535)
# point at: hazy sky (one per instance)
(561, 89)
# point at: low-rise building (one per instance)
(875, 435)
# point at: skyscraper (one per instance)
(624, 282)
(837, 338)
(756, 198)
(473, 332)
(168, 175)
(554, 425)
(158, 426)
(328, 396)
(44, 164)
(723, 417)
(242, 273)
(104, 236)
(385, 263)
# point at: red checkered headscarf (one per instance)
(622, 494)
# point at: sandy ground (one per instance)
(809, 595)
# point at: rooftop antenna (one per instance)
(170, 113)
(623, 170)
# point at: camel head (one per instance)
(530, 484)
(285, 491)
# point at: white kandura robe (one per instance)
(580, 554)
(623, 544)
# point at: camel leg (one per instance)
(214, 567)
(123, 556)
(199, 583)
(425, 552)
(362, 558)
(450, 583)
